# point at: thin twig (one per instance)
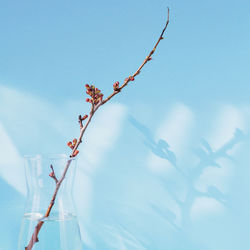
(94, 108)
(80, 121)
(52, 174)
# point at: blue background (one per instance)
(164, 165)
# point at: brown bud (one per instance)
(75, 153)
(131, 78)
(84, 117)
(116, 85)
(74, 142)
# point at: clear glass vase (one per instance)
(42, 228)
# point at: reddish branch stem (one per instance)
(94, 108)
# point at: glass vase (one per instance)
(42, 228)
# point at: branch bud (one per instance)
(84, 117)
(131, 78)
(116, 86)
(52, 174)
(70, 144)
(75, 153)
(74, 142)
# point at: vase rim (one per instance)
(49, 156)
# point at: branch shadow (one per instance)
(207, 158)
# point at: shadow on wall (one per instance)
(207, 158)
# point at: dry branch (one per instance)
(96, 102)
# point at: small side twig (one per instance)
(80, 121)
(52, 174)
